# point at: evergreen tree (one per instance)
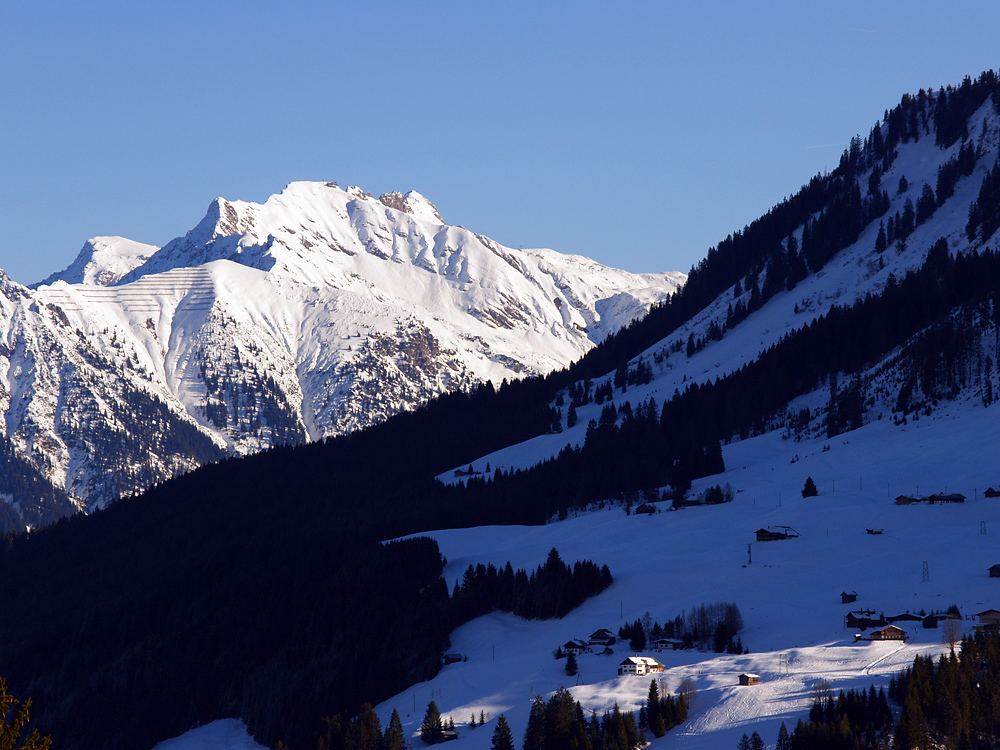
(637, 641)
(13, 717)
(809, 490)
(784, 741)
(744, 743)
(534, 733)
(364, 732)
(571, 666)
(431, 729)
(881, 241)
(502, 738)
(394, 737)
(756, 743)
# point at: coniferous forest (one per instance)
(261, 587)
(951, 703)
(553, 590)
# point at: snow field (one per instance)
(789, 594)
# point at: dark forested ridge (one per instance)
(247, 586)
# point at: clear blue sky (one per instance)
(639, 134)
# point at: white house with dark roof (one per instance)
(640, 665)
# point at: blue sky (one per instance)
(639, 134)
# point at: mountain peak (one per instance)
(102, 261)
(412, 203)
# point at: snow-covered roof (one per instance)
(649, 661)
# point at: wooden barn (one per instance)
(774, 533)
(667, 644)
(995, 571)
(888, 633)
(748, 678)
(989, 620)
(952, 497)
(846, 597)
(991, 493)
(602, 637)
(864, 619)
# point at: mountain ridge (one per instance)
(318, 312)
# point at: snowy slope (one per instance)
(316, 313)
(789, 594)
(850, 275)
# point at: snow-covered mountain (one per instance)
(103, 261)
(319, 312)
(920, 194)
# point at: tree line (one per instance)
(550, 591)
(707, 626)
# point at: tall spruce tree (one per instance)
(534, 733)
(431, 729)
(502, 738)
(784, 741)
(394, 737)
(571, 666)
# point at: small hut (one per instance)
(747, 678)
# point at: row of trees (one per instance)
(951, 703)
(552, 590)
(662, 712)
(363, 732)
(714, 626)
(954, 699)
(561, 723)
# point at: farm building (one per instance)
(667, 644)
(953, 497)
(774, 533)
(995, 571)
(575, 646)
(864, 619)
(602, 637)
(888, 633)
(748, 678)
(640, 665)
(908, 499)
(991, 493)
(846, 597)
(988, 620)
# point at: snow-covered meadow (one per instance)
(789, 594)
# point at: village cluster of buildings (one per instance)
(889, 628)
(953, 497)
(601, 641)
